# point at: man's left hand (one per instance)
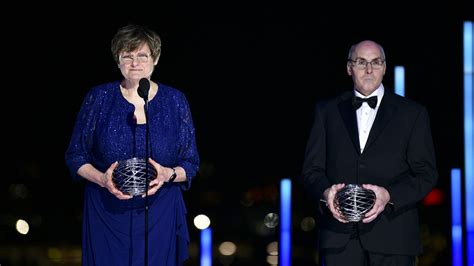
(382, 197)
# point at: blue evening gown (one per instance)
(105, 132)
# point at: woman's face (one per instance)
(137, 64)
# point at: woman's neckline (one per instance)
(153, 87)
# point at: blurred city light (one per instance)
(272, 248)
(22, 227)
(308, 224)
(227, 248)
(201, 221)
(271, 220)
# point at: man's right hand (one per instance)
(328, 195)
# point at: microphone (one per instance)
(143, 88)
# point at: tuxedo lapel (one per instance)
(384, 115)
(350, 121)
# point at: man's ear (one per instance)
(349, 69)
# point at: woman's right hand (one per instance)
(106, 181)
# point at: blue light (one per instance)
(285, 224)
(469, 139)
(206, 247)
(400, 80)
(456, 232)
(456, 220)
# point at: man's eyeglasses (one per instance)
(361, 63)
(128, 59)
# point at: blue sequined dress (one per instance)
(105, 132)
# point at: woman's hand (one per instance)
(162, 176)
(106, 181)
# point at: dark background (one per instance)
(251, 76)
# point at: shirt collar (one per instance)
(379, 92)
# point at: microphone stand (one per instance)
(142, 90)
(146, 179)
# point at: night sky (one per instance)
(251, 76)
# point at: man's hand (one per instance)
(328, 195)
(382, 197)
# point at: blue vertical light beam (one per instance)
(400, 80)
(456, 219)
(469, 139)
(206, 247)
(285, 224)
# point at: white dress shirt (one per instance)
(366, 115)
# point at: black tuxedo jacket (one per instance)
(398, 156)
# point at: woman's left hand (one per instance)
(162, 175)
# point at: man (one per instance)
(383, 144)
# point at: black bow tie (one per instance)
(357, 101)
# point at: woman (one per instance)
(110, 127)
